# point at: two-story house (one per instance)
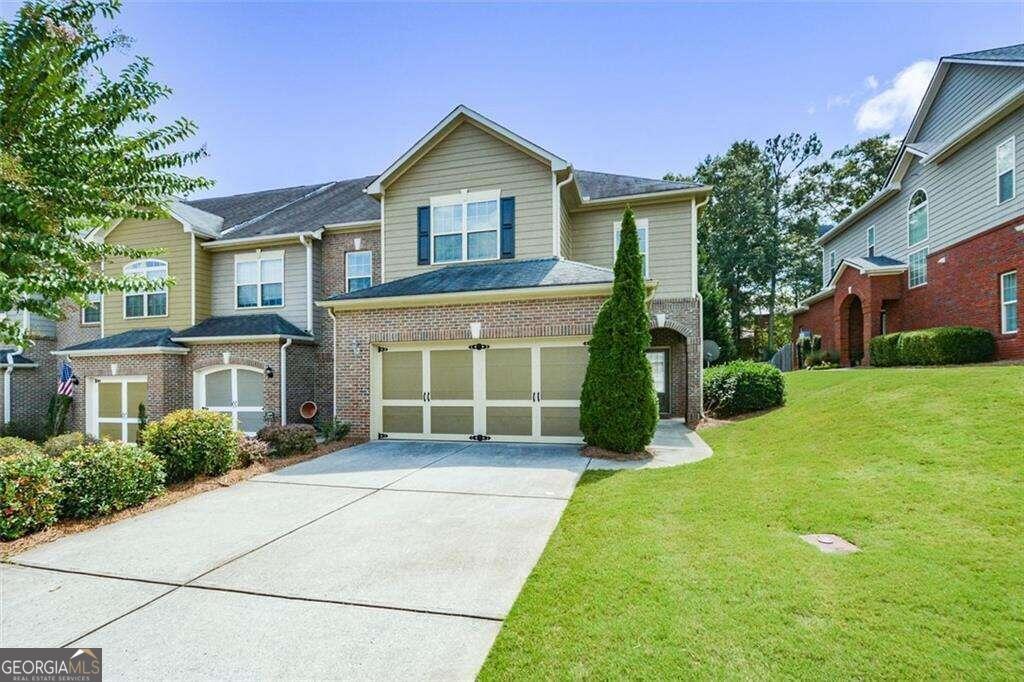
(451, 296)
(942, 243)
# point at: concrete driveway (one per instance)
(390, 559)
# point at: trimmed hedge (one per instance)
(12, 446)
(742, 386)
(29, 494)
(58, 445)
(935, 346)
(288, 440)
(107, 477)
(193, 443)
(251, 450)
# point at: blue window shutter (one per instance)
(508, 227)
(423, 235)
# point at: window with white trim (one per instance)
(146, 303)
(917, 268)
(917, 218)
(1008, 298)
(92, 313)
(358, 270)
(831, 264)
(871, 241)
(643, 237)
(259, 279)
(1006, 162)
(464, 227)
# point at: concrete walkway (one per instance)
(674, 444)
(391, 559)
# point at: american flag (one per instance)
(65, 386)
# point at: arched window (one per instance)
(146, 303)
(917, 218)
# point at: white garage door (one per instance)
(494, 390)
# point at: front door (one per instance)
(117, 403)
(659, 374)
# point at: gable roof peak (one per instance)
(1008, 53)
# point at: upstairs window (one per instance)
(1008, 298)
(259, 279)
(146, 303)
(92, 313)
(464, 227)
(358, 270)
(917, 268)
(831, 263)
(871, 241)
(917, 218)
(642, 235)
(1006, 161)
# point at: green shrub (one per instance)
(742, 386)
(193, 443)
(11, 446)
(58, 445)
(251, 450)
(288, 440)
(29, 494)
(821, 359)
(29, 429)
(618, 405)
(334, 430)
(106, 477)
(885, 350)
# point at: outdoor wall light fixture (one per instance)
(74, 379)
(269, 372)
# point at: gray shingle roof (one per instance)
(338, 202)
(541, 272)
(239, 208)
(137, 338)
(19, 359)
(871, 262)
(596, 185)
(1010, 53)
(265, 324)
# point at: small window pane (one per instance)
(1004, 157)
(156, 304)
(273, 294)
(133, 305)
(1009, 287)
(446, 219)
(357, 264)
(247, 296)
(272, 270)
(249, 388)
(247, 272)
(482, 215)
(919, 226)
(448, 248)
(157, 272)
(1012, 321)
(218, 388)
(1006, 186)
(357, 283)
(482, 245)
(136, 395)
(91, 313)
(250, 422)
(918, 268)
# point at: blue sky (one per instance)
(297, 93)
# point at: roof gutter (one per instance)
(100, 352)
(225, 244)
(648, 196)
(250, 338)
(7, 383)
(556, 213)
(284, 381)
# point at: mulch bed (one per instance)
(601, 453)
(174, 493)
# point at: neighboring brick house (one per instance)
(451, 296)
(942, 243)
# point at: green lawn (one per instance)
(698, 570)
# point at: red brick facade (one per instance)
(963, 289)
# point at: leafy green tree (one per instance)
(715, 314)
(79, 149)
(618, 405)
(849, 177)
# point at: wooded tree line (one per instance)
(756, 235)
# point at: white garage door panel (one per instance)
(523, 390)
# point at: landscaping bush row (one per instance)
(742, 386)
(72, 476)
(935, 346)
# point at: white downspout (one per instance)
(307, 242)
(334, 363)
(7, 383)
(556, 211)
(284, 382)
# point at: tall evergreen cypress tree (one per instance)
(619, 408)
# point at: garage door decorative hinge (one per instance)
(479, 346)
(381, 436)
(479, 437)
(381, 349)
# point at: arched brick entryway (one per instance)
(851, 327)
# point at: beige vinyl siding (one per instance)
(468, 158)
(204, 281)
(173, 242)
(565, 231)
(669, 242)
(294, 308)
(967, 91)
(961, 199)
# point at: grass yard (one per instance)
(698, 571)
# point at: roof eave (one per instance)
(225, 244)
(99, 352)
(248, 338)
(648, 196)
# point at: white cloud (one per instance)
(871, 82)
(898, 102)
(812, 110)
(838, 101)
